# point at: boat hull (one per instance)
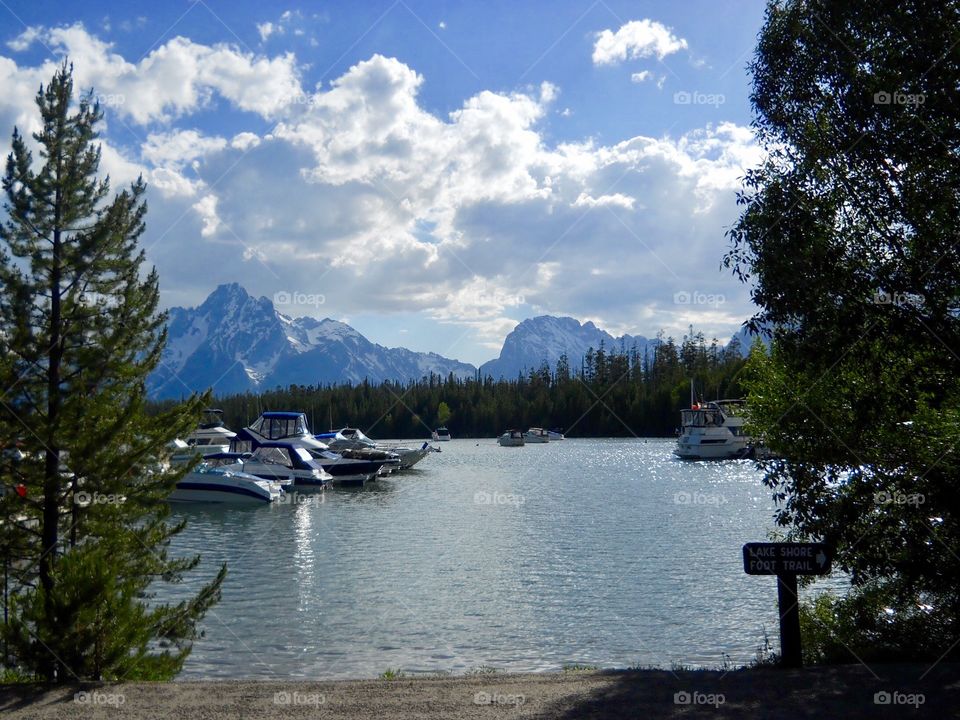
(207, 492)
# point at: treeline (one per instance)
(613, 392)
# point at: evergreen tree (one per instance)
(86, 533)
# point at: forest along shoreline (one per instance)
(855, 691)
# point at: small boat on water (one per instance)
(210, 437)
(536, 435)
(441, 434)
(350, 465)
(713, 430)
(353, 439)
(281, 461)
(212, 484)
(512, 438)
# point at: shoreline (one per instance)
(850, 691)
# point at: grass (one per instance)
(391, 674)
(482, 670)
(577, 667)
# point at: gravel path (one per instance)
(846, 692)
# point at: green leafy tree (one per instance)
(443, 413)
(848, 236)
(86, 531)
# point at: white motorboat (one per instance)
(291, 427)
(283, 461)
(210, 484)
(553, 435)
(512, 438)
(536, 435)
(713, 431)
(441, 434)
(210, 437)
(353, 439)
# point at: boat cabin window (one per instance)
(276, 456)
(277, 428)
(302, 454)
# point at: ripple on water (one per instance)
(521, 559)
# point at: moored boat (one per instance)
(354, 439)
(211, 484)
(713, 430)
(350, 466)
(536, 435)
(441, 434)
(512, 438)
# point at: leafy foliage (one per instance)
(848, 236)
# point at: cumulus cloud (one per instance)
(359, 192)
(636, 39)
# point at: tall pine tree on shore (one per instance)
(83, 522)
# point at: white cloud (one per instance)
(206, 207)
(361, 191)
(639, 77)
(25, 39)
(266, 29)
(636, 39)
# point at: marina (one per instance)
(585, 551)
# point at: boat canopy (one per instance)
(279, 425)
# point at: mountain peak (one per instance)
(546, 338)
(234, 342)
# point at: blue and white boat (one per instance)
(354, 439)
(211, 484)
(286, 462)
(347, 466)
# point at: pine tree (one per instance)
(86, 533)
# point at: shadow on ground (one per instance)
(847, 692)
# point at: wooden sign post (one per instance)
(787, 561)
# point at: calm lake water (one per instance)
(602, 552)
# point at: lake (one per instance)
(603, 552)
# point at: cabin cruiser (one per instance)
(555, 435)
(351, 465)
(210, 437)
(441, 434)
(281, 461)
(353, 439)
(512, 438)
(713, 431)
(536, 435)
(213, 484)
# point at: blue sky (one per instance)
(430, 172)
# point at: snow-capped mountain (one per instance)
(547, 338)
(234, 342)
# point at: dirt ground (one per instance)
(847, 692)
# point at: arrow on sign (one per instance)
(821, 559)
